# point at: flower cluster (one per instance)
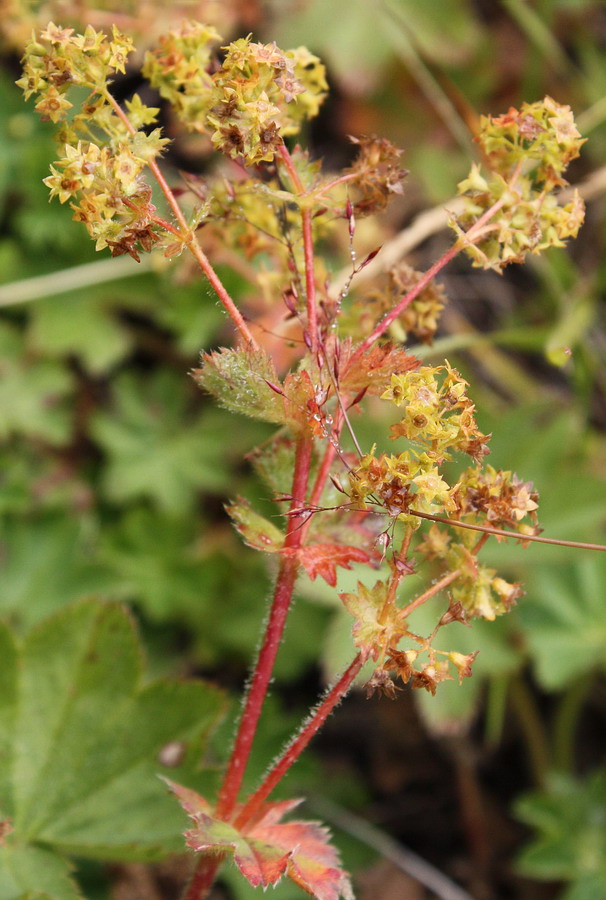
(377, 173)
(500, 498)
(527, 151)
(104, 156)
(400, 484)
(60, 59)
(381, 627)
(258, 95)
(439, 416)
(438, 413)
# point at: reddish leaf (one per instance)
(373, 370)
(323, 559)
(268, 849)
(301, 404)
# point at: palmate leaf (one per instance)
(377, 622)
(79, 744)
(155, 448)
(570, 841)
(323, 559)
(268, 849)
(373, 371)
(563, 620)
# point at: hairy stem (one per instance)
(189, 238)
(296, 747)
(271, 642)
(474, 233)
(308, 252)
(204, 877)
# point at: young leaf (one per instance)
(257, 531)
(373, 370)
(269, 849)
(80, 739)
(238, 379)
(323, 559)
(377, 625)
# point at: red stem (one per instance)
(189, 238)
(405, 301)
(473, 233)
(204, 876)
(300, 742)
(255, 697)
(308, 252)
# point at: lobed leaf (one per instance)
(238, 379)
(373, 370)
(323, 559)
(80, 739)
(268, 849)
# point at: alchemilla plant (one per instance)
(337, 503)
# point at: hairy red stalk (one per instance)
(204, 877)
(308, 251)
(406, 300)
(296, 747)
(189, 238)
(255, 697)
(473, 233)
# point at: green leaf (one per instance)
(83, 326)
(563, 619)
(569, 818)
(34, 873)
(81, 738)
(158, 449)
(257, 531)
(238, 379)
(48, 561)
(32, 393)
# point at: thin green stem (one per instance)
(566, 721)
(580, 545)
(430, 592)
(537, 745)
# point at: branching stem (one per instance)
(296, 747)
(255, 697)
(308, 252)
(189, 239)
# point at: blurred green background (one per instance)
(115, 467)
